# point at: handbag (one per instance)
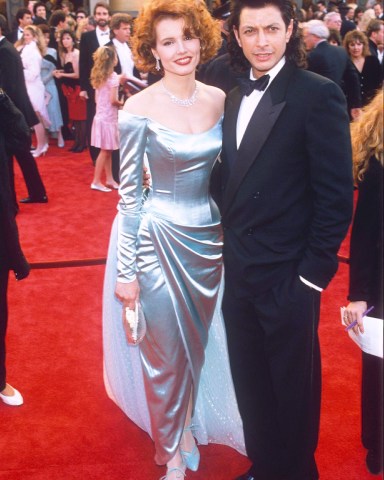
(134, 323)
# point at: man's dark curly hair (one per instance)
(295, 52)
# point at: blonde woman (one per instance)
(32, 49)
(366, 267)
(104, 133)
(169, 252)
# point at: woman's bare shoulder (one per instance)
(139, 103)
(213, 95)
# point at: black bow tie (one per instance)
(104, 33)
(247, 85)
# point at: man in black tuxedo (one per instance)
(375, 34)
(286, 203)
(332, 62)
(13, 83)
(89, 43)
(23, 18)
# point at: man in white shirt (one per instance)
(120, 26)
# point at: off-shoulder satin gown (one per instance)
(173, 244)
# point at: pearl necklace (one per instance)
(187, 102)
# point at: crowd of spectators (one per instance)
(67, 95)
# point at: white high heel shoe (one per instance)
(14, 400)
(40, 152)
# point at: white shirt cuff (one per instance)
(319, 289)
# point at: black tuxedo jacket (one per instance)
(88, 45)
(333, 62)
(286, 193)
(12, 37)
(13, 82)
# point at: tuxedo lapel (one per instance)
(256, 134)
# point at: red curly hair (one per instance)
(198, 23)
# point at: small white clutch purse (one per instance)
(134, 324)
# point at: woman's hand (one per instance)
(354, 312)
(128, 293)
(57, 73)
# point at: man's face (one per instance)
(102, 17)
(263, 37)
(335, 22)
(26, 20)
(378, 10)
(309, 40)
(378, 37)
(350, 14)
(41, 12)
(123, 33)
(80, 16)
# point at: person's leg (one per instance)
(32, 178)
(4, 274)
(372, 410)
(110, 181)
(42, 140)
(275, 363)
(100, 164)
(91, 111)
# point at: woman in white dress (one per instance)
(32, 49)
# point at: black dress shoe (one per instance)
(245, 476)
(34, 200)
(78, 149)
(374, 462)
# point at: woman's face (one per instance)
(67, 42)
(46, 38)
(355, 49)
(179, 53)
(27, 36)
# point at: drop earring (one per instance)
(158, 64)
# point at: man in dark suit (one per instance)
(375, 34)
(378, 9)
(23, 18)
(286, 203)
(89, 43)
(332, 62)
(13, 83)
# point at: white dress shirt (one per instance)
(125, 57)
(249, 104)
(102, 36)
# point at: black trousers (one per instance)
(275, 361)
(91, 111)
(372, 403)
(32, 178)
(4, 275)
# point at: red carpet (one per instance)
(68, 428)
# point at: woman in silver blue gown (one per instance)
(167, 254)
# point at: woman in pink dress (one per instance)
(104, 134)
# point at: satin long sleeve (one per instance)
(133, 138)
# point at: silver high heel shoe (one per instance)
(191, 459)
